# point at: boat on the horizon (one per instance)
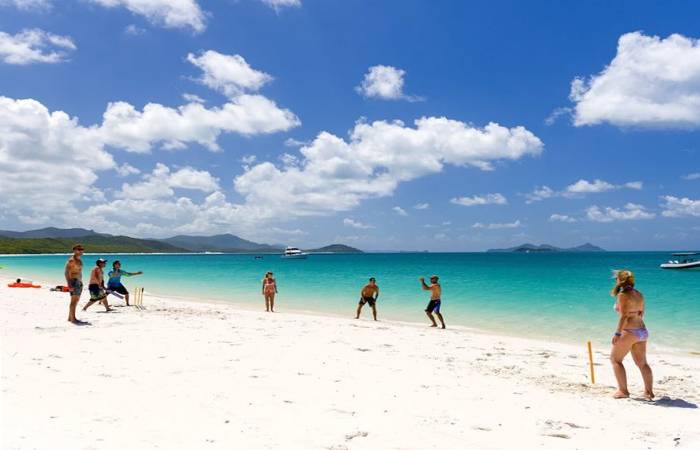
(293, 253)
(686, 261)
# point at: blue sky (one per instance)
(277, 120)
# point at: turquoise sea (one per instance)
(560, 296)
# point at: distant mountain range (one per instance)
(544, 248)
(60, 240)
(50, 232)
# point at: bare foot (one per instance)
(649, 396)
(620, 394)
(433, 326)
(443, 327)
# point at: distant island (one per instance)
(60, 240)
(546, 248)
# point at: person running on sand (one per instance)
(269, 289)
(434, 304)
(74, 279)
(630, 335)
(97, 286)
(114, 283)
(369, 294)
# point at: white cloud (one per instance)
(126, 127)
(420, 206)
(336, 175)
(588, 187)
(356, 224)
(248, 159)
(229, 74)
(133, 30)
(540, 194)
(561, 218)
(631, 211)
(166, 13)
(161, 182)
(487, 199)
(680, 207)
(636, 185)
(192, 98)
(34, 46)
(278, 4)
(399, 210)
(126, 169)
(48, 161)
(289, 160)
(692, 176)
(291, 142)
(28, 4)
(651, 82)
(554, 116)
(384, 82)
(498, 226)
(579, 189)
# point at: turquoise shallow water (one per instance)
(562, 296)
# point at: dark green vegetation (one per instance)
(57, 240)
(544, 248)
(93, 244)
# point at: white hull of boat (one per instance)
(688, 265)
(302, 256)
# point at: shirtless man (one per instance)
(74, 280)
(434, 304)
(369, 294)
(97, 286)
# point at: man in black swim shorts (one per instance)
(435, 301)
(369, 294)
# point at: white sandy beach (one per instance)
(193, 375)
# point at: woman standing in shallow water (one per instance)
(269, 289)
(630, 335)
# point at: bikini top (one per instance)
(617, 303)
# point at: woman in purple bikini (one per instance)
(630, 335)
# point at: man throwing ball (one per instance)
(434, 304)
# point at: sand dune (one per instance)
(195, 375)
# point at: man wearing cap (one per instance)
(434, 304)
(97, 286)
(74, 279)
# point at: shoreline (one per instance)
(504, 332)
(182, 374)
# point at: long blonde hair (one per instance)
(623, 279)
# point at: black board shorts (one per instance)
(370, 300)
(119, 289)
(96, 292)
(433, 306)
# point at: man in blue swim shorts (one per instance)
(434, 304)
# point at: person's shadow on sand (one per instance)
(669, 402)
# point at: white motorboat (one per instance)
(293, 253)
(685, 261)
